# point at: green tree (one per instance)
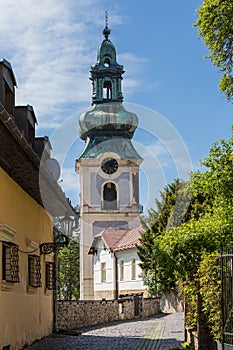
(188, 252)
(68, 271)
(216, 29)
(176, 206)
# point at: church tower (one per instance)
(108, 166)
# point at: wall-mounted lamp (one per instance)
(67, 225)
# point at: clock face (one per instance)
(109, 165)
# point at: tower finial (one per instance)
(106, 19)
(106, 30)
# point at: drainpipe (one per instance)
(55, 294)
(116, 277)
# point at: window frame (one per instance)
(34, 271)
(122, 270)
(49, 275)
(103, 272)
(133, 269)
(10, 262)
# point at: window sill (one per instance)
(31, 290)
(48, 291)
(6, 286)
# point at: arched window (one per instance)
(110, 196)
(107, 62)
(107, 90)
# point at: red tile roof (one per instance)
(118, 239)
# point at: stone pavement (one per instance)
(163, 332)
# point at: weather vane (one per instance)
(106, 19)
(106, 30)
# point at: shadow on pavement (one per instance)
(90, 342)
(158, 332)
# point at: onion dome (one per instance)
(107, 119)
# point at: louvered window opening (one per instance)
(49, 276)
(34, 269)
(10, 262)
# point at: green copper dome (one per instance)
(96, 146)
(106, 54)
(107, 119)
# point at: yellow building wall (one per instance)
(25, 313)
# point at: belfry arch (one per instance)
(109, 196)
(107, 90)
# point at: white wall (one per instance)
(104, 256)
(128, 284)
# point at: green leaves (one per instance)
(184, 251)
(68, 271)
(210, 290)
(215, 22)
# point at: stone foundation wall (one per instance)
(150, 307)
(77, 314)
(171, 302)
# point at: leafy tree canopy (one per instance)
(176, 206)
(68, 271)
(216, 29)
(182, 252)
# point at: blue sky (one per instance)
(51, 45)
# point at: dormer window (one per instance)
(9, 99)
(107, 90)
(7, 86)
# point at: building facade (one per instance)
(26, 275)
(116, 264)
(108, 167)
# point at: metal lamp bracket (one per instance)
(60, 240)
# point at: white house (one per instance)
(116, 263)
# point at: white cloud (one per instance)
(51, 51)
(51, 45)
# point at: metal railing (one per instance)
(227, 297)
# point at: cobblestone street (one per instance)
(161, 332)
